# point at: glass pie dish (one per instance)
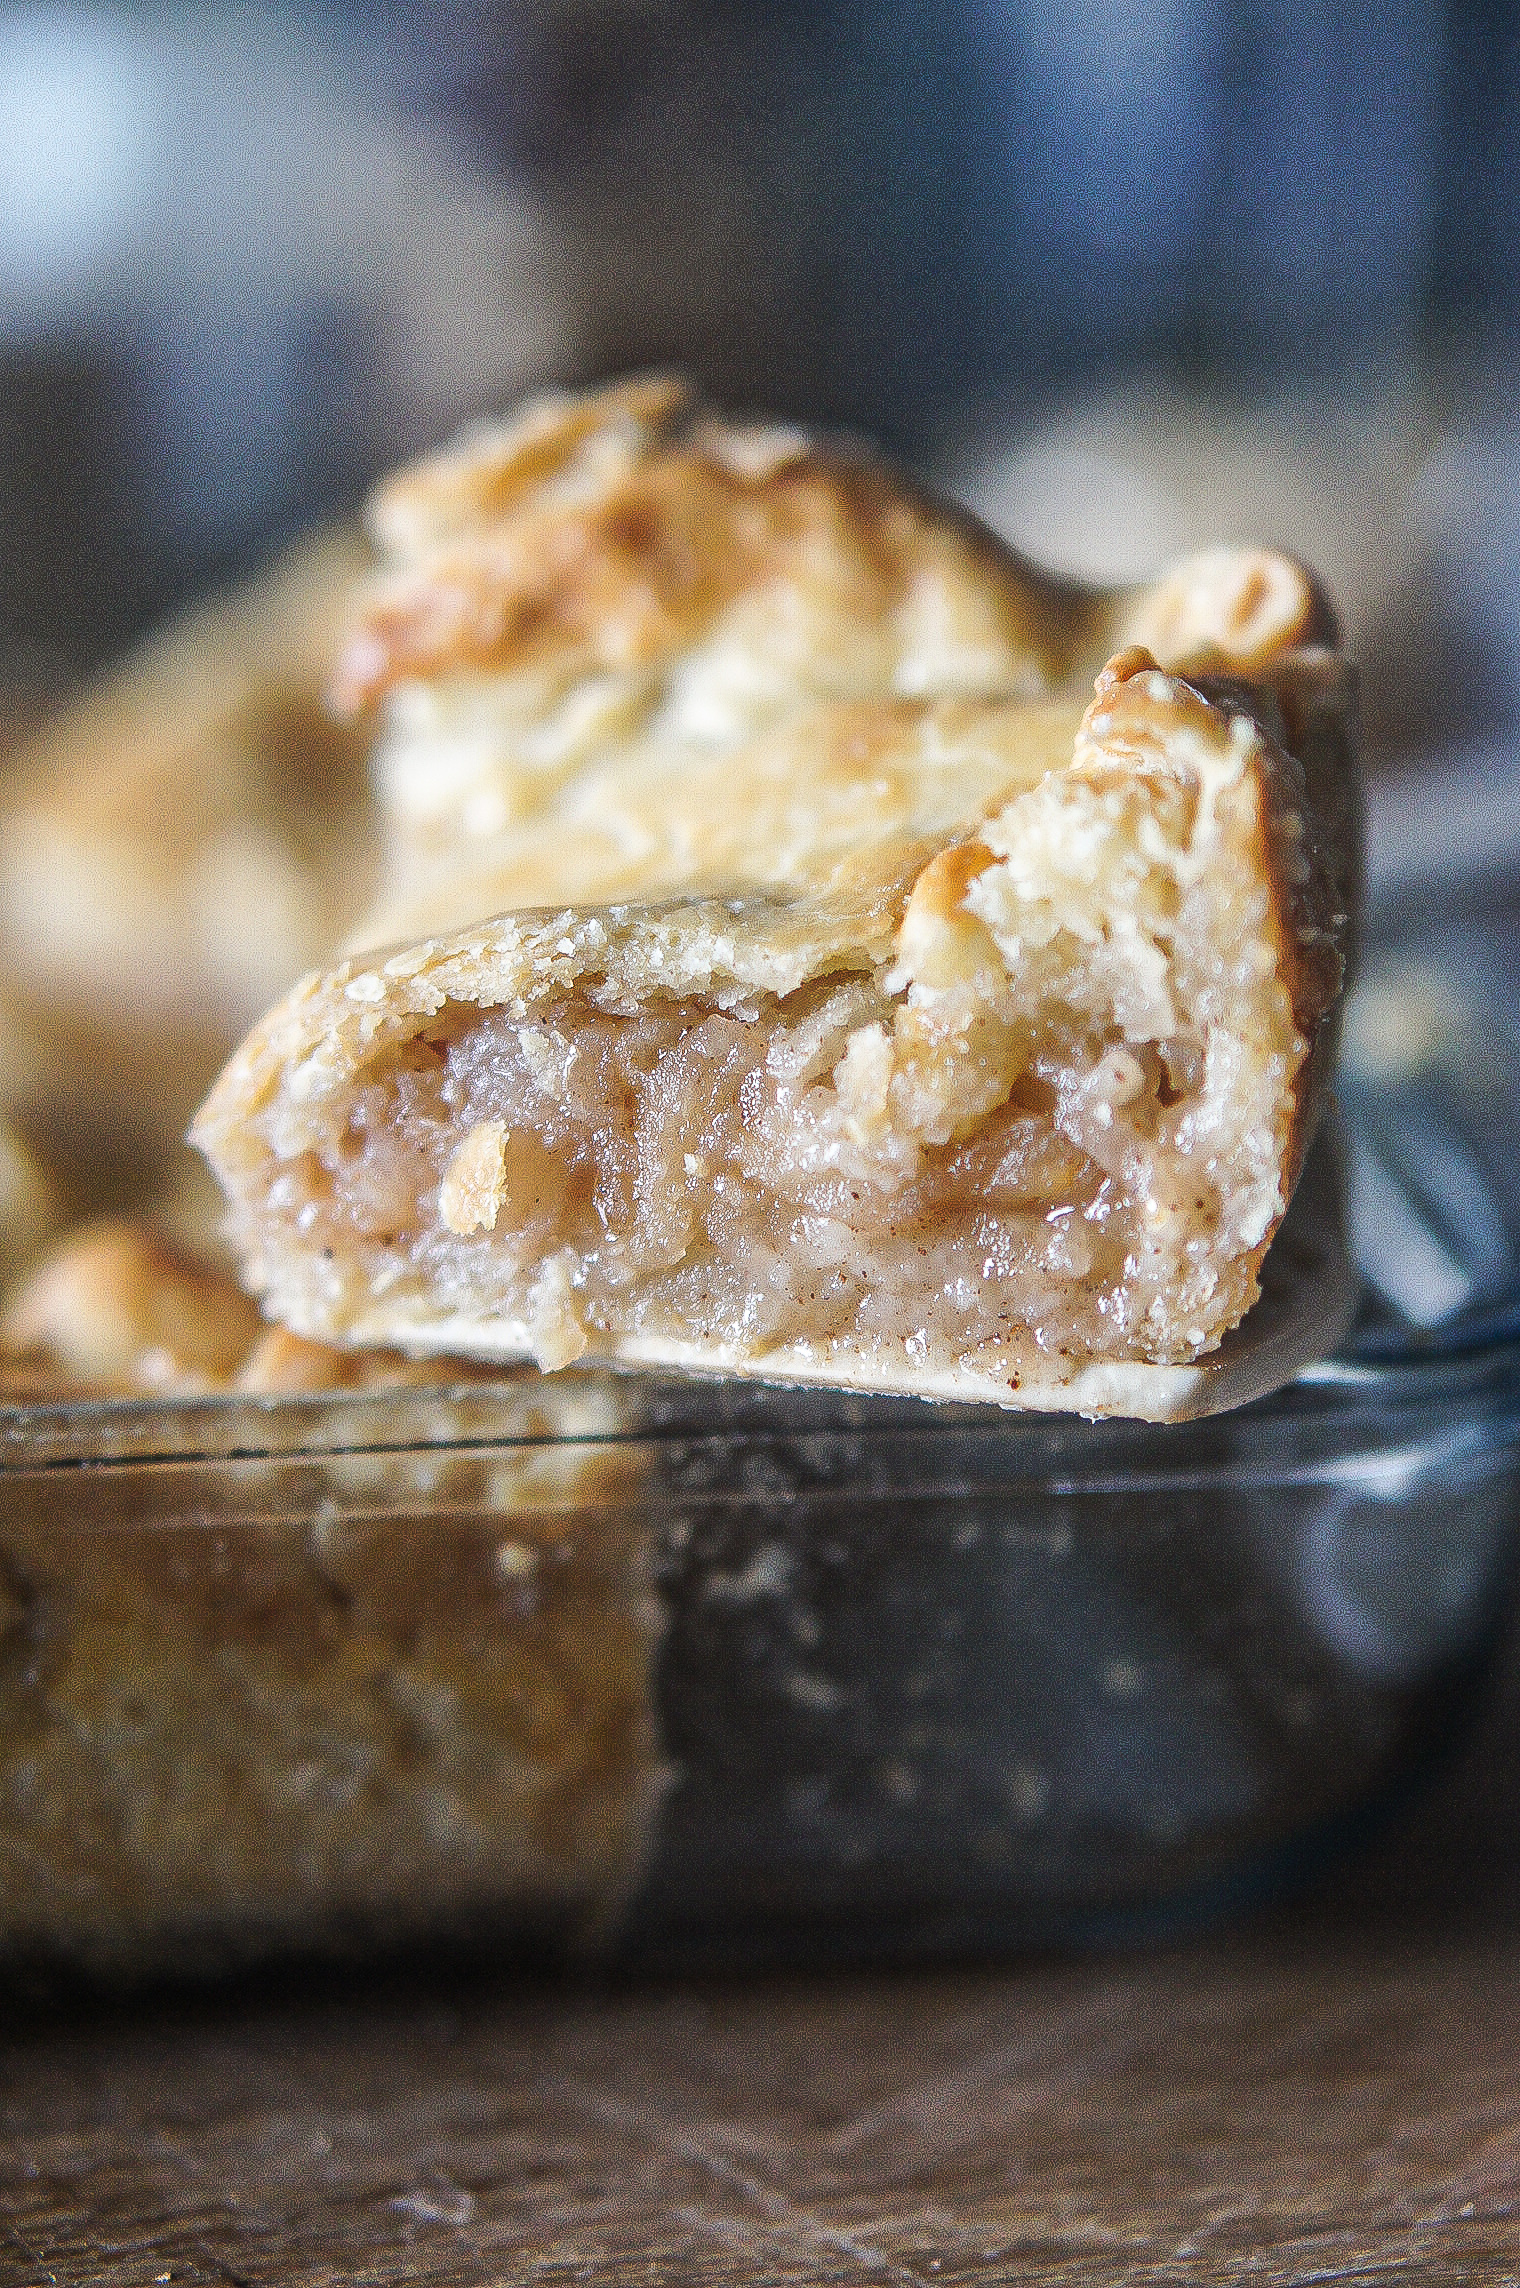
(684, 1672)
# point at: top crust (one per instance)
(612, 533)
(890, 900)
(613, 529)
(618, 588)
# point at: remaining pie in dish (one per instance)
(176, 847)
(976, 1053)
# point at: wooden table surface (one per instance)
(1331, 2094)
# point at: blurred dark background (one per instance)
(1131, 274)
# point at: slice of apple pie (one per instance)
(979, 1060)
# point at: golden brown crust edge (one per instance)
(612, 527)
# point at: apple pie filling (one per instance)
(754, 1178)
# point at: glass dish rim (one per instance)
(1444, 1376)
